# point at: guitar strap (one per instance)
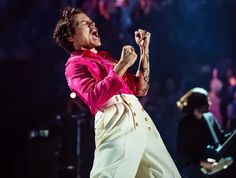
(220, 148)
(223, 163)
(210, 119)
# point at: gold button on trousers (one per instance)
(128, 145)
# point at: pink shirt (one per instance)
(91, 76)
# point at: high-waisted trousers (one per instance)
(128, 145)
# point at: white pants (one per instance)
(128, 144)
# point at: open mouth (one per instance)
(95, 34)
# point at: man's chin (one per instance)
(98, 44)
(94, 45)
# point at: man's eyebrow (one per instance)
(82, 21)
(87, 20)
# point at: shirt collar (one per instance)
(87, 52)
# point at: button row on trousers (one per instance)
(136, 124)
(146, 119)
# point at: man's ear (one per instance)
(70, 39)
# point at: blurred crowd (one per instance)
(30, 23)
(185, 53)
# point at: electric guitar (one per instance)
(220, 165)
(215, 156)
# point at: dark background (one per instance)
(189, 39)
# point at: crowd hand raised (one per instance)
(142, 38)
(128, 56)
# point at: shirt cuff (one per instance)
(116, 76)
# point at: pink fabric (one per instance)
(91, 76)
(215, 107)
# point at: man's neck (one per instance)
(93, 50)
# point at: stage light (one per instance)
(73, 95)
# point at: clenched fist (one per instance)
(128, 55)
(142, 38)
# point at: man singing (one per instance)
(128, 144)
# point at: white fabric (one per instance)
(128, 144)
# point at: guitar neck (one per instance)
(224, 147)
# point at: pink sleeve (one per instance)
(92, 91)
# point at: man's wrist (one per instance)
(144, 49)
(121, 68)
(124, 64)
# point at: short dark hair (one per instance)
(64, 28)
(196, 98)
(196, 101)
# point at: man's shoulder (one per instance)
(186, 120)
(77, 59)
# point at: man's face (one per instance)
(205, 108)
(86, 34)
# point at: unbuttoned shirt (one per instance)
(91, 76)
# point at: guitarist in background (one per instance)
(195, 134)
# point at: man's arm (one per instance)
(92, 91)
(127, 59)
(142, 38)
